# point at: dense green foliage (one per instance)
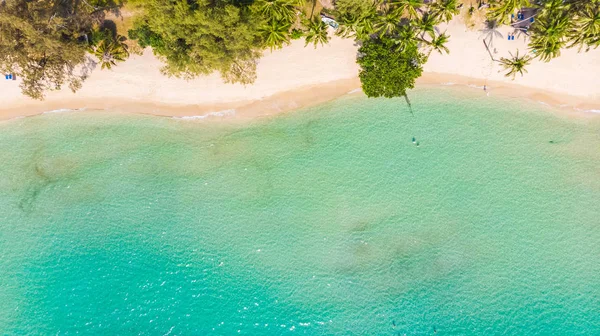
(278, 17)
(198, 37)
(385, 72)
(276, 33)
(502, 10)
(44, 43)
(316, 31)
(394, 37)
(561, 24)
(445, 9)
(558, 24)
(356, 17)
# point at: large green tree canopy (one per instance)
(386, 72)
(44, 42)
(198, 37)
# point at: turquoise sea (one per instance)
(324, 221)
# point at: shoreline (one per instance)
(565, 103)
(296, 77)
(303, 97)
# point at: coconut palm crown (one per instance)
(438, 43)
(515, 64)
(502, 9)
(276, 34)
(549, 36)
(387, 23)
(316, 31)
(279, 10)
(445, 9)
(110, 50)
(410, 9)
(585, 32)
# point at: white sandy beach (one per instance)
(296, 76)
(572, 74)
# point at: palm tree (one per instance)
(407, 8)
(276, 33)
(555, 6)
(364, 26)
(316, 31)
(586, 28)
(406, 38)
(357, 22)
(445, 9)
(438, 43)
(426, 25)
(280, 10)
(359, 26)
(110, 50)
(515, 64)
(501, 10)
(549, 35)
(579, 4)
(387, 23)
(490, 31)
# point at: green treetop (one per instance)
(386, 72)
(44, 43)
(199, 37)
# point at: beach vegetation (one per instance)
(277, 10)
(515, 64)
(445, 10)
(394, 37)
(316, 32)
(197, 38)
(438, 43)
(44, 43)
(405, 38)
(296, 34)
(426, 25)
(276, 34)
(386, 72)
(355, 17)
(109, 49)
(410, 9)
(585, 31)
(565, 24)
(549, 33)
(501, 11)
(387, 23)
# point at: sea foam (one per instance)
(64, 110)
(223, 113)
(586, 111)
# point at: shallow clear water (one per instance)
(319, 222)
